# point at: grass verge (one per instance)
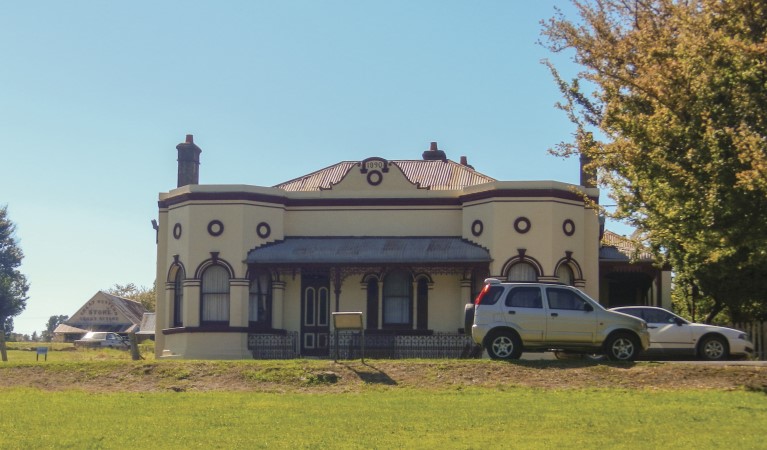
(408, 418)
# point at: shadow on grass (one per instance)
(569, 363)
(371, 375)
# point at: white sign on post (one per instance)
(349, 321)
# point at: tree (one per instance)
(676, 128)
(13, 284)
(144, 295)
(53, 322)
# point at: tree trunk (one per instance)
(716, 309)
(3, 351)
(135, 355)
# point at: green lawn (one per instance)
(25, 352)
(373, 415)
(385, 418)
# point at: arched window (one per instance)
(214, 303)
(260, 301)
(565, 275)
(178, 298)
(372, 303)
(397, 300)
(522, 271)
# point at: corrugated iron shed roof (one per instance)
(432, 174)
(63, 328)
(131, 308)
(369, 250)
(615, 247)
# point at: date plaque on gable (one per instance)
(374, 163)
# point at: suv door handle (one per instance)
(512, 312)
(554, 314)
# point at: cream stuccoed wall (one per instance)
(545, 241)
(209, 345)
(380, 221)
(242, 208)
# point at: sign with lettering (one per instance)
(99, 310)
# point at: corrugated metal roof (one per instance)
(432, 174)
(615, 247)
(132, 309)
(321, 179)
(369, 250)
(67, 329)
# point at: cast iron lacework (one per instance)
(274, 346)
(438, 345)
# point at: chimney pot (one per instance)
(189, 139)
(464, 161)
(434, 153)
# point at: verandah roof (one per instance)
(369, 250)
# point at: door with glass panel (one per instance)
(315, 314)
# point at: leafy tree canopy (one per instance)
(53, 322)
(146, 296)
(676, 126)
(13, 284)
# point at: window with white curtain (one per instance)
(215, 294)
(565, 275)
(522, 271)
(260, 299)
(178, 299)
(397, 299)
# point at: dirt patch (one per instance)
(354, 376)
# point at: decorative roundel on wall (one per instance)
(263, 230)
(177, 230)
(568, 226)
(477, 227)
(215, 228)
(522, 225)
(375, 178)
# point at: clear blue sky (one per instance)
(95, 95)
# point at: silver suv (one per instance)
(509, 318)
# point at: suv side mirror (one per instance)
(587, 307)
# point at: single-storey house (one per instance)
(254, 271)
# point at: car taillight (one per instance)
(481, 294)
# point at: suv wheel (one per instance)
(504, 345)
(622, 347)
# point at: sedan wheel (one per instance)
(713, 348)
(622, 347)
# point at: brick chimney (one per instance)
(434, 153)
(588, 174)
(188, 162)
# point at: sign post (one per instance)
(41, 351)
(349, 321)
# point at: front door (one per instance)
(315, 314)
